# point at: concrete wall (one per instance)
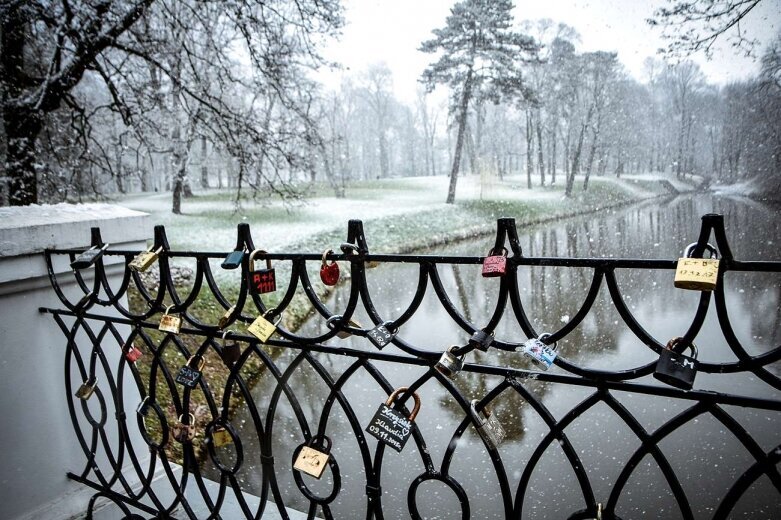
(36, 433)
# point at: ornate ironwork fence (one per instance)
(97, 326)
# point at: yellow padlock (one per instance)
(697, 274)
(144, 260)
(263, 329)
(170, 322)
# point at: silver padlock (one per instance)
(488, 426)
(538, 352)
(449, 364)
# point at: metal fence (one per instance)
(171, 375)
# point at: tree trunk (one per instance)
(575, 163)
(464, 106)
(529, 149)
(540, 161)
(22, 126)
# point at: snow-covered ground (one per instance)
(210, 225)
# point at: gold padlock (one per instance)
(144, 261)
(263, 329)
(170, 322)
(221, 437)
(86, 390)
(313, 461)
(697, 274)
(225, 317)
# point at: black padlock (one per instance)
(88, 257)
(674, 368)
(481, 340)
(381, 335)
(231, 350)
(261, 281)
(233, 260)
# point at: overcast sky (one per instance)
(392, 30)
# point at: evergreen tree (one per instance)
(481, 58)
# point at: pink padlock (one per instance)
(495, 265)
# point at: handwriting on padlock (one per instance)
(393, 417)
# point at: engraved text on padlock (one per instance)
(311, 461)
(381, 335)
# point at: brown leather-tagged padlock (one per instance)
(86, 389)
(344, 332)
(184, 432)
(144, 261)
(393, 427)
(312, 460)
(261, 281)
(133, 353)
(170, 322)
(495, 265)
(329, 273)
(263, 329)
(231, 351)
(225, 319)
(697, 274)
(189, 376)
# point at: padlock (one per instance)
(133, 353)
(143, 407)
(495, 265)
(184, 432)
(144, 261)
(86, 389)
(344, 332)
(329, 273)
(381, 335)
(231, 351)
(170, 322)
(311, 460)
(538, 352)
(393, 427)
(488, 426)
(697, 274)
(481, 340)
(189, 376)
(221, 437)
(225, 319)
(449, 364)
(263, 329)
(233, 260)
(674, 368)
(88, 257)
(261, 281)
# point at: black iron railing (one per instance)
(99, 324)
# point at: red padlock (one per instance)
(329, 273)
(132, 354)
(495, 265)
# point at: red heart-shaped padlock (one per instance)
(329, 273)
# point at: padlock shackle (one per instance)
(325, 254)
(687, 253)
(191, 422)
(545, 335)
(673, 343)
(272, 312)
(456, 347)
(415, 396)
(491, 252)
(201, 362)
(325, 445)
(252, 259)
(479, 420)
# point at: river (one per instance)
(705, 456)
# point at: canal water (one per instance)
(706, 457)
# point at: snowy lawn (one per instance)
(398, 214)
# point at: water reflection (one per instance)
(705, 456)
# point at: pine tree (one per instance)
(481, 59)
